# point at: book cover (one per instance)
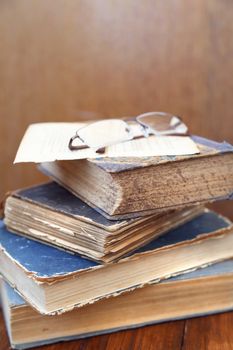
(132, 187)
(33, 266)
(206, 146)
(50, 213)
(200, 292)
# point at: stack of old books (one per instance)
(115, 242)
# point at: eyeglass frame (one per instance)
(144, 126)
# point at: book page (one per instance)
(47, 142)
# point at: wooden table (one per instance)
(210, 332)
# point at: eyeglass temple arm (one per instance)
(130, 119)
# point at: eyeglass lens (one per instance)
(104, 133)
(162, 123)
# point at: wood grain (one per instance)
(209, 333)
(164, 336)
(3, 335)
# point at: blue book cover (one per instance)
(194, 297)
(44, 261)
(42, 266)
(215, 270)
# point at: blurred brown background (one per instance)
(69, 60)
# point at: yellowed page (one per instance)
(47, 142)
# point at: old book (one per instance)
(52, 214)
(125, 187)
(54, 281)
(202, 292)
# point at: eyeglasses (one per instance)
(103, 133)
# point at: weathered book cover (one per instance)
(42, 261)
(50, 213)
(47, 266)
(57, 198)
(200, 277)
(133, 187)
(206, 146)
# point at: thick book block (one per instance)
(54, 281)
(52, 214)
(130, 187)
(204, 291)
